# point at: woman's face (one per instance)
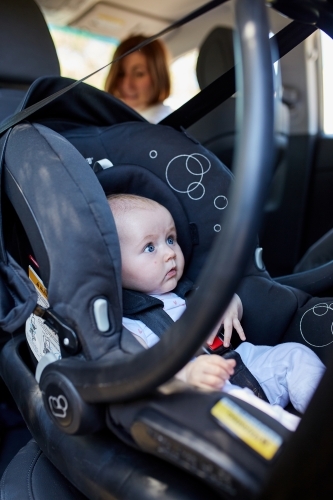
(134, 82)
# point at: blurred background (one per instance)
(80, 53)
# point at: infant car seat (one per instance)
(59, 210)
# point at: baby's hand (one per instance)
(230, 319)
(208, 372)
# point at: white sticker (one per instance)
(40, 337)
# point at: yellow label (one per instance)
(249, 429)
(37, 282)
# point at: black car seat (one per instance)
(54, 166)
(27, 52)
(75, 185)
(108, 466)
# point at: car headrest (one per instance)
(28, 51)
(216, 55)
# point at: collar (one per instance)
(135, 302)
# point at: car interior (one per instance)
(108, 420)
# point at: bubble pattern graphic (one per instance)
(197, 165)
(195, 190)
(220, 202)
(318, 310)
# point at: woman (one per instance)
(141, 79)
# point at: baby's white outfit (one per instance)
(286, 372)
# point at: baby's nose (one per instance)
(170, 253)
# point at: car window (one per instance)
(183, 79)
(327, 82)
(81, 53)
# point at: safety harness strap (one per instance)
(149, 310)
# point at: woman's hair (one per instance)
(157, 62)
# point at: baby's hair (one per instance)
(122, 203)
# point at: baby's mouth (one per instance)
(171, 273)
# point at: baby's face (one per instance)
(152, 260)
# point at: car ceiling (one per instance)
(113, 16)
(119, 19)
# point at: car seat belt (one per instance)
(148, 309)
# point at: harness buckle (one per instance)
(217, 347)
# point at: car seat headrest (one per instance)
(216, 55)
(132, 179)
(25, 56)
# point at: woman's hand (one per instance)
(207, 372)
(230, 319)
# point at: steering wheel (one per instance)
(132, 378)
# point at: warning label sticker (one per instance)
(40, 337)
(249, 429)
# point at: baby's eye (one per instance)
(149, 248)
(170, 240)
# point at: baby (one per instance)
(153, 263)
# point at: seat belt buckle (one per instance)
(218, 342)
(217, 347)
